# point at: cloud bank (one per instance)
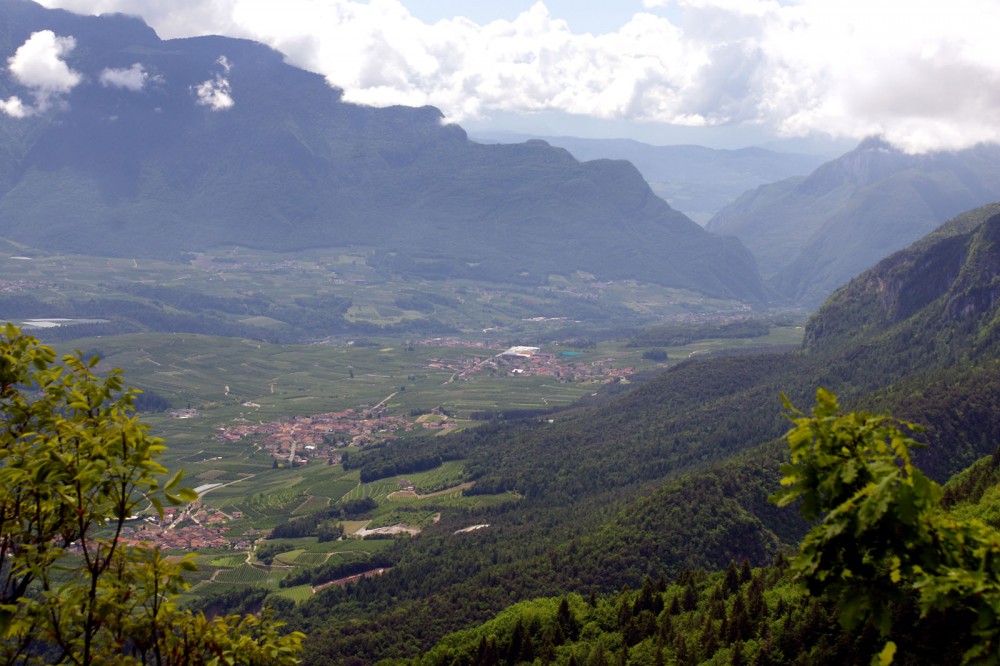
(39, 66)
(925, 75)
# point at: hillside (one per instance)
(810, 235)
(937, 296)
(744, 615)
(677, 473)
(697, 180)
(158, 148)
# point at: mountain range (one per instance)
(812, 234)
(697, 180)
(147, 148)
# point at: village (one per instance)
(533, 362)
(302, 440)
(297, 440)
(194, 527)
(9, 286)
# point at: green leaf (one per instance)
(887, 654)
(174, 480)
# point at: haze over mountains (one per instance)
(696, 180)
(811, 235)
(142, 147)
(153, 148)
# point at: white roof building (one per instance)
(523, 352)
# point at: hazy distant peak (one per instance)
(813, 235)
(875, 142)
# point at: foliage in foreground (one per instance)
(883, 540)
(885, 574)
(75, 464)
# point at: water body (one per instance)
(55, 322)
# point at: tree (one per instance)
(75, 464)
(882, 540)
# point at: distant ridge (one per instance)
(225, 144)
(697, 180)
(810, 235)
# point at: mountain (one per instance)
(810, 235)
(675, 474)
(157, 148)
(696, 180)
(939, 295)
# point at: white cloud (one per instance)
(38, 63)
(39, 66)
(15, 108)
(216, 92)
(130, 78)
(923, 74)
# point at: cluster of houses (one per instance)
(302, 438)
(194, 527)
(11, 286)
(191, 537)
(533, 362)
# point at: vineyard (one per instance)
(377, 490)
(245, 574)
(219, 572)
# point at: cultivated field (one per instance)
(344, 339)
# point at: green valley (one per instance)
(471, 481)
(283, 424)
(292, 372)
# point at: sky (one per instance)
(722, 73)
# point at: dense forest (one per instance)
(675, 476)
(855, 469)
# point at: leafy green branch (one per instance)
(881, 536)
(75, 464)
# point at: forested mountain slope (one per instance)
(677, 473)
(157, 148)
(940, 611)
(811, 235)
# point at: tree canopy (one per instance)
(75, 464)
(881, 539)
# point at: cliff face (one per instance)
(951, 279)
(208, 142)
